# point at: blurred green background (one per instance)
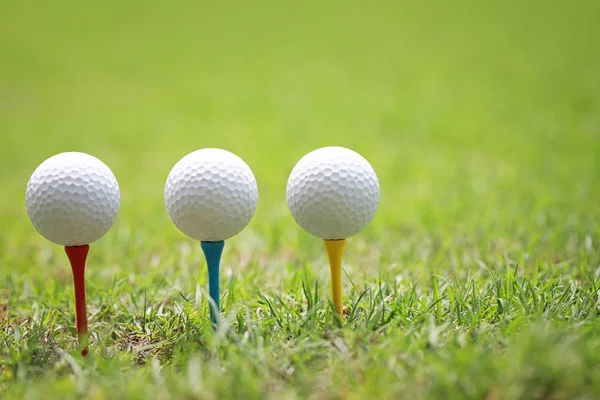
(454, 104)
(469, 111)
(481, 118)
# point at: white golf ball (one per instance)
(333, 193)
(72, 199)
(211, 195)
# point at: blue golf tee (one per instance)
(212, 253)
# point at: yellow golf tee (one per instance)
(335, 252)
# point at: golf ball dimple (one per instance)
(333, 193)
(72, 199)
(211, 195)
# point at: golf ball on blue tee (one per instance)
(211, 195)
(333, 193)
(72, 199)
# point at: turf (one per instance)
(478, 278)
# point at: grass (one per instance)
(478, 278)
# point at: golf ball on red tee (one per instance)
(72, 199)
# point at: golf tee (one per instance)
(212, 253)
(335, 252)
(77, 257)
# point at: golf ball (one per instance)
(333, 193)
(72, 199)
(211, 195)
